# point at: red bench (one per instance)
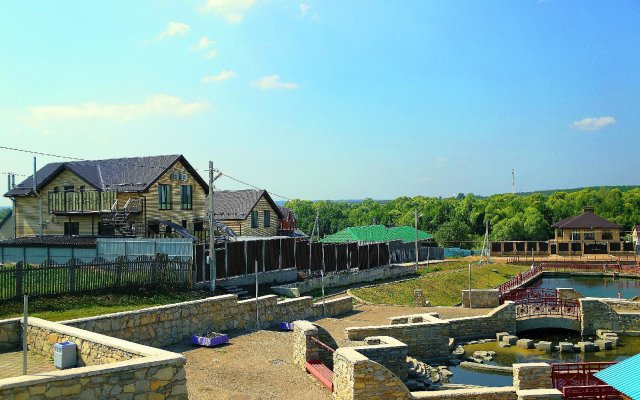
(321, 372)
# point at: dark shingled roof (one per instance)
(134, 174)
(586, 220)
(237, 204)
(50, 241)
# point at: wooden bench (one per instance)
(321, 372)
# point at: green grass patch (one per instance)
(64, 307)
(442, 288)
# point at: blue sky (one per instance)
(331, 99)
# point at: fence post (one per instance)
(295, 259)
(280, 254)
(19, 272)
(264, 258)
(72, 274)
(323, 266)
(119, 262)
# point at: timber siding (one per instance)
(28, 210)
(176, 214)
(566, 235)
(28, 217)
(243, 227)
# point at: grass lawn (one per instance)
(441, 287)
(64, 307)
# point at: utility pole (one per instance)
(35, 190)
(417, 253)
(212, 234)
(11, 183)
(513, 181)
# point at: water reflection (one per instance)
(593, 286)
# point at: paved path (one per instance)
(11, 364)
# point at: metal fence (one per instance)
(131, 248)
(78, 276)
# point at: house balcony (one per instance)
(87, 202)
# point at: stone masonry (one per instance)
(113, 368)
(481, 298)
(10, 331)
(531, 376)
(166, 325)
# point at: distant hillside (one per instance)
(623, 188)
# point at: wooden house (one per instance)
(586, 233)
(252, 213)
(635, 234)
(137, 196)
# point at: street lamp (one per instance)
(417, 254)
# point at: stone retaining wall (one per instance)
(426, 340)
(618, 316)
(501, 319)
(388, 352)
(345, 279)
(497, 393)
(481, 298)
(170, 324)
(152, 374)
(42, 335)
(532, 376)
(10, 332)
(355, 377)
(568, 293)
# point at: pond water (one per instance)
(592, 286)
(508, 356)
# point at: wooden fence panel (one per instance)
(302, 255)
(236, 259)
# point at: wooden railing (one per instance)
(79, 202)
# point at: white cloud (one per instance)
(231, 10)
(160, 104)
(274, 82)
(174, 29)
(213, 53)
(203, 43)
(593, 123)
(304, 9)
(222, 76)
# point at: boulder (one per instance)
(587, 347)
(510, 339)
(604, 344)
(544, 346)
(500, 335)
(525, 344)
(566, 347)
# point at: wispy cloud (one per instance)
(160, 104)
(203, 43)
(593, 123)
(213, 53)
(231, 10)
(174, 29)
(304, 9)
(273, 82)
(222, 76)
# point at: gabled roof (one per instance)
(376, 233)
(623, 376)
(237, 204)
(135, 174)
(587, 220)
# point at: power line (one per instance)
(129, 165)
(12, 173)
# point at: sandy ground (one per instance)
(254, 366)
(259, 365)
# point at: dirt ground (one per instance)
(259, 365)
(254, 366)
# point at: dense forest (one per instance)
(461, 220)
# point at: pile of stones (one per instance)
(607, 341)
(423, 376)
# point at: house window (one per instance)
(589, 235)
(575, 235)
(184, 223)
(254, 219)
(267, 218)
(69, 188)
(559, 233)
(607, 235)
(186, 198)
(164, 197)
(71, 228)
(198, 225)
(105, 230)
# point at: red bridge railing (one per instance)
(519, 279)
(598, 392)
(547, 306)
(576, 374)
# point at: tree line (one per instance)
(460, 220)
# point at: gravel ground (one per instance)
(259, 365)
(254, 366)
